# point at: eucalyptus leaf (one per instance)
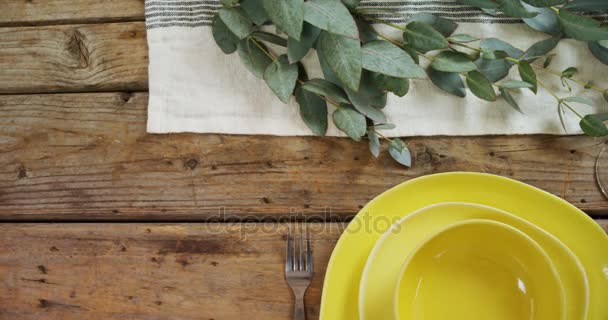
(540, 49)
(581, 28)
(352, 4)
(349, 121)
(605, 95)
(569, 72)
(545, 3)
(327, 89)
(313, 111)
(492, 12)
(493, 44)
(548, 61)
(493, 70)
(514, 8)
(253, 57)
(587, 5)
(399, 151)
(343, 56)
(545, 21)
(224, 38)
(581, 100)
(398, 86)
(480, 86)
(385, 126)
(332, 16)
(412, 52)
(369, 98)
(450, 61)
(255, 11)
(296, 50)
(494, 55)
(509, 99)
(599, 52)
(367, 33)
(270, 38)
(444, 26)
(374, 142)
(287, 15)
(462, 38)
(515, 84)
(593, 125)
(237, 21)
(527, 74)
(423, 37)
(281, 77)
(449, 82)
(386, 58)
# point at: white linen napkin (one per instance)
(194, 87)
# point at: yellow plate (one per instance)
(380, 275)
(476, 270)
(571, 226)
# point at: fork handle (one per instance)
(298, 311)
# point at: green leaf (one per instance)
(599, 52)
(569, 72)
(485, 4)
(605, 95)
(581, 28)
(287, 15)
(548, 60)
(332, 16)
(527, 74)
(224, 38)
(514, 8)
(480, 86)
(386, 58)
(385, 126)
(343, 56)
(255, 11)
(493, 44)
(509, 99)
(587, 5)
(281, 78)
(352, 4)
(374, 142)
(545, 21)
(444, 26)
(540, 49)
(327, 89)
(366, 31)
(449, 82)
(515, 84)
(270, 38)
(296, 50)
(412, 52)
(545, 3)
(493, 70)
(462, 38)
(369, 98)
(581, 100)
(253, 57)
(349, 121)
(450, 61)
(423, 37)
(399, 151)
(237, 21)
(398, 86)
(593, 125)
(493, 55)
(313, 111)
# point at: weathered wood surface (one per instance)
(87, 156)
(36, 12)
(153, 271)
(74, 58)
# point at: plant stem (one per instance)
(270, 55)
(381, 135)
(559, 100)
(396, 26)
(388, 39)
(466, 46)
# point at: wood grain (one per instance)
(35, 12)
(88, 156)
(73, 58)
(153, 271)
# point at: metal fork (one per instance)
(298, 269)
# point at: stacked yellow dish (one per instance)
(468, 246)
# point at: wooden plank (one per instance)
(35, 12)
(88, 156)
(153, 271)
(74, 58)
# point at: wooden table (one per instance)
(101, 220)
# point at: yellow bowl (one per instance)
(381, 273)
(479, 269)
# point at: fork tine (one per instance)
(288, 257)
(301, 256)
(308, 251)
(294, 250)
